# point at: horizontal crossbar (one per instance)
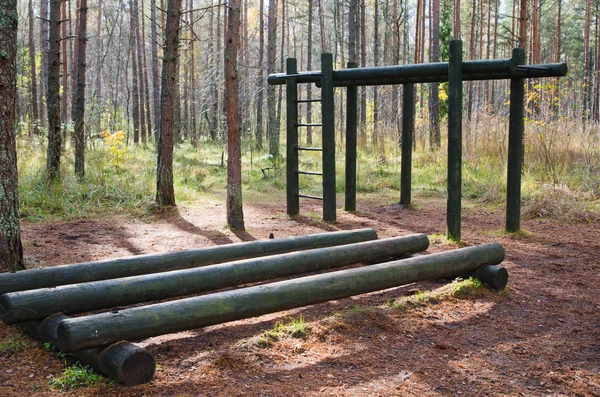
(310, 125)
(309, 173)
(310, 197)
(310, 149)
(307, 100)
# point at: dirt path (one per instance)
(540, 337)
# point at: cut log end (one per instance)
(131, 365)
(494, 276)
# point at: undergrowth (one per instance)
(295, 328)
(561, 175)
(76, 376)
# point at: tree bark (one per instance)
(261, 76)
(53, 100)
(35, 115)
(80, 97)
(155, 76)
(44, 45)
(11, 251)
(363, 63)
(165, 193)
(272, 127)
(309, 50)
(435, 140)
(523, 25)
(375, 134)
(352, 30)
(140, 75)
(65, 68)
(235, 214)
(456, 28)
(135, 97)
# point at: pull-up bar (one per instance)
(454, 72)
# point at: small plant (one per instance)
(116, 146)
(296, 328)
(76, 376)
(50, 347)
(12, 345)
(467, 288)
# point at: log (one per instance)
(36, 304)
(494, 276)
(122, 361)
(191, 313)
(163, 262)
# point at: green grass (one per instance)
(77, 376)
(123, 181)
(12, 345)
(295, 328)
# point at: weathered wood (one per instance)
(122, 361)
(408, 126)
(292, 180)
(328, 138)
(351, 143)
(175, 316)
(515, 149)
(494, 276)
(455, 100)
(29, 305)
(163, 262)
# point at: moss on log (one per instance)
(77, 298)
(163, 262)
(185, 314)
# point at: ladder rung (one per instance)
(310, 149)
(310, 197)
(309, 173)
(307, 100)
(310, 125)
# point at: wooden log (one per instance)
(494, 276)
(122, 361)
(29, 305)
(163, 262)
(175, 316)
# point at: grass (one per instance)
(120, 179)
(295, 328)
(76, 376)
(12, 345)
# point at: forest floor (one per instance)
(539, 337)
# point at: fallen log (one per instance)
(494, 276)
(163, 262)
(185, 314)
(36, 304)
(122, 361)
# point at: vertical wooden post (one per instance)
(292, 188)
(328, 136)
(351, 142)
(408, 124)
(515, 148)
(453, 209)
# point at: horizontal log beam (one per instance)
(191, 313)
(124, 362)
(36, 304)
(174, 260)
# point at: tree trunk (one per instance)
(11, 251)
(65, 68)
(272, 127)
(35, 115)
(165, 194)
(322, 26)
(260, 83)
(456, 28)
(74, 64)
(192, 66)
(363, 63)
(144, 77)
(134, 76)
(586, 62)
(155, 76)
(44, 45)
(235, 214)
(523, 25)
(80, 105)
(352, 30)
(309, 50)
(472, 56)
(435, 140)
(53, 100)
(140, 75)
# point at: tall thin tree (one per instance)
(434, 100)
(11, 251)
(53, 100)
(165, 193)
(260, 83)
(80, 95)
(272, 127)
(33, 87)
(235, 214)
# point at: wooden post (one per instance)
(453, 209)
(328, 120)
(163, 262)
(351, 142)
(515, 149)
(408, 123)
(292, 183)
(36, 304)
(201, 311)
